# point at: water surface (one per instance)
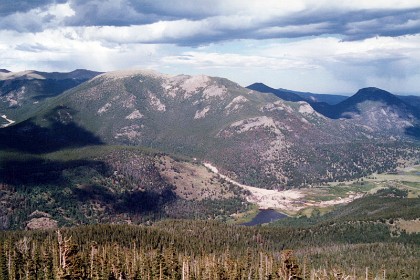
(265, 216)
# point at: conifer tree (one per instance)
(4, 273)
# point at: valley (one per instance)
(212, 140)
(257, 149)
(207, 175)
(323, 199)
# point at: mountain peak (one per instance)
(82, 74)
(261, 87)
(375, 94)
(283, 94)
(25, 75)
(373, 91)
(133, 72)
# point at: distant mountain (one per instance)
(78, 74)
(371, 107)
(291, 95)
(22, 92)
(351, 105)
(330, 99)
(412, 100)
(281, 93)
(255, 138)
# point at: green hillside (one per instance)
(177, 249)
(257, 139)
(103, 184)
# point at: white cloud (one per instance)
(37, 19)
(303, 44)
(60, 50)
(205, 60)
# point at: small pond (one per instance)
(265, 216)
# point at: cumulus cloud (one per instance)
(8, 7)
(300, 44)
(38, 19)
(177, 21)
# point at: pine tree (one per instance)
(4, 273)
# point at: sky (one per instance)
(323, 46)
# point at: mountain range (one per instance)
(256, 138)
(331, 99)
(21, 92)
(369, 106)
(98, 143)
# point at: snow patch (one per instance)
(8, 120)
(199, 114)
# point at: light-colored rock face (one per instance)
(129, 132)
(172, 85)
(104, 108)
(255, 123)
(193, 84)
(14, 98)
(188, 85)
(135, 115)
(305, 108)
(236, 104)
(199, 114)
(376, 117)
(42, 223)
(131, 73)
(237, 100)
(276, 106)
(156, 103)
(215, 91)
(130, 101)
(29, 75)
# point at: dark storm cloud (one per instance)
(8, 7)
(130, 12)
(108, 13)
(398, 24)
(192, 22)
(351, 25)
(217, 21)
